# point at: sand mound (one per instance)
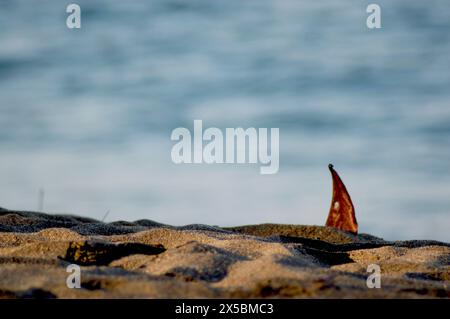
(147, 259)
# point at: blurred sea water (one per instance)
(87, 114)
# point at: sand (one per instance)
(146, 259)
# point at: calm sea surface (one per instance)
(86, 115)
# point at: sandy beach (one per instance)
(146, 259)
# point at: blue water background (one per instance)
(86, 115)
